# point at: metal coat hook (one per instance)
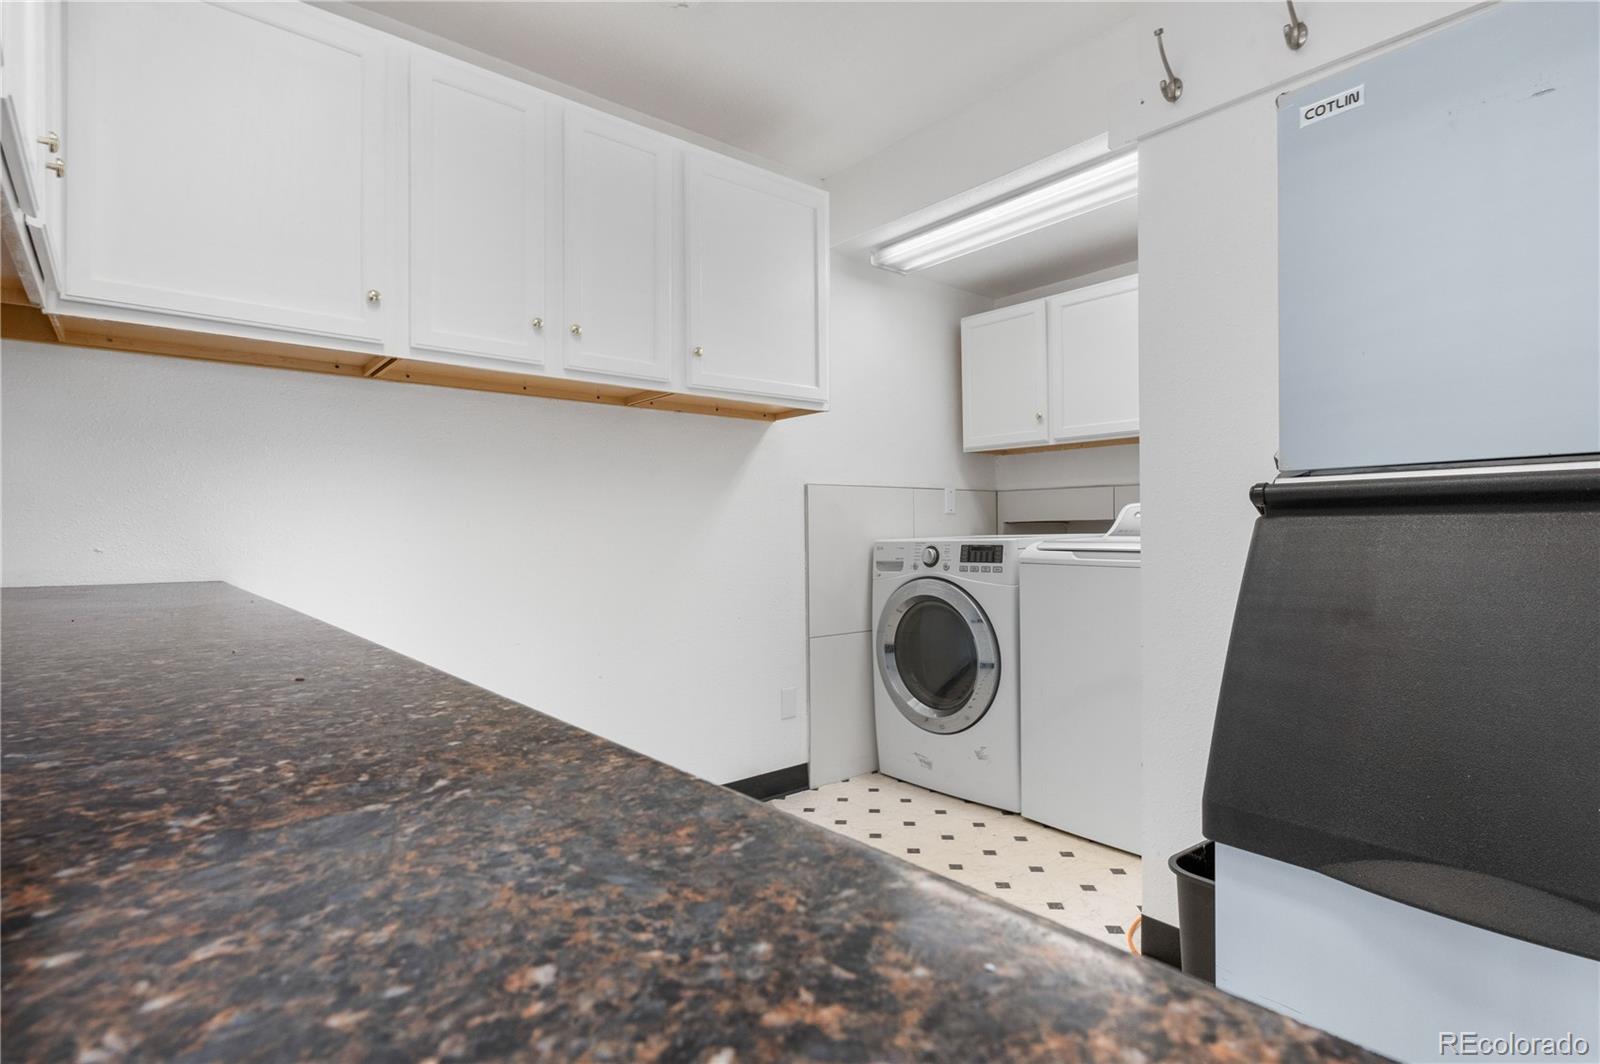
(1295, 33)
(1171, 88)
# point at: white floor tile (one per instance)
(1090, 888)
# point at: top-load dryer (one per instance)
(1080, 685)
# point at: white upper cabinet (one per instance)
(619, 219)
(1060, 370)
(28, 36)
(480, 200)
(228, 162)
(1094, 361)
(1004, 380)
(755, 282)
(31, 125)
(276, 173)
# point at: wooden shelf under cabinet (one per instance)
(22, 321)
(1073, 445)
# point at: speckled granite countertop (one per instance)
(232, 832)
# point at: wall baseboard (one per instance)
(1159, 941)
(774, 784)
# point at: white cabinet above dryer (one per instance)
(1062, 371)
(1094, 361)
(1004, 378)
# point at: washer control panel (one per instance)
(976, 560)
(985, 559)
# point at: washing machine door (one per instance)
(938, 655)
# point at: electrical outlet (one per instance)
(788, 704)
(949, 500)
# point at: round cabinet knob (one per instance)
(1038, 415)
(538, 323)
(57, 166)
(374, 296)
(930, 556)
(51, 140)
(576, 330)
(699, 351)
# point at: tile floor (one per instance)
(1090, 888)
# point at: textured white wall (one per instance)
(1208, 416)
(638, 573)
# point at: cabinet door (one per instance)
(1094, 362)
(756, 281)
(1003, 378)
(478, 212)
(228, 163)
(619, 219)
(31, 127)
(25, 63)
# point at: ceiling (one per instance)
(813, 87)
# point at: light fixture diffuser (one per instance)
(1056, 199)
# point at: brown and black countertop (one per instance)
(232, 832)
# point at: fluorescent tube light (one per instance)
(1055, 200)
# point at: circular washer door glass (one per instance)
(937, 655)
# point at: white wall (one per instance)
(1208, 416)
(638, 573)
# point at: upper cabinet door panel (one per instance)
(756, 281)
(1004, 385)
(1094, 360)
(228, 163)
(27, 72)
(619, 217)
(478, 212)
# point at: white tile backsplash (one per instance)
(1057, 504)
(842, 523)
(843, 737)
(974, 516)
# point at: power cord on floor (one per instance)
(1133, 949)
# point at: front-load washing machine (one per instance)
(945, 665)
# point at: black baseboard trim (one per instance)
(1159, 941)
(774, 784)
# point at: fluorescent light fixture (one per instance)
(1053, 200)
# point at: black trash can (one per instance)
(1196, 869)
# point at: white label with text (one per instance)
(1328, 107)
